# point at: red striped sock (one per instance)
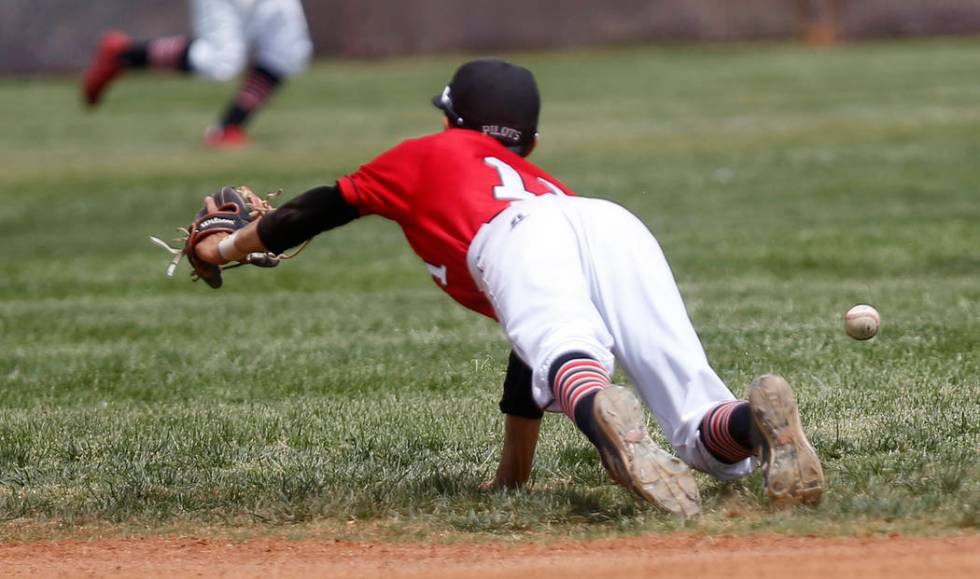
(257, 87)
(255, 91)
(716, 433)
(576, 379)
(167, 52)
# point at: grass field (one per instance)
(344, 391)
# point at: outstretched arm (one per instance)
(300, 219)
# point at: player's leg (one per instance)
(657, 345)
(277, 32)
(530, 269)
(117, 52)
(528, 263)
(217, 50)
(220, 53)
(659, 349)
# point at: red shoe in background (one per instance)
(105, 66)
(227, 137)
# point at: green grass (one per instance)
(785, 185)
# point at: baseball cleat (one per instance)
(790, 465)
(105, 67)
(635, 461)
(225, 137)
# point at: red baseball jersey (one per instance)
(441, 188)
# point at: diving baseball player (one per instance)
(577, 284)
(270, 37)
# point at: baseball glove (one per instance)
(236, 208)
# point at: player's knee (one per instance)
(288, 62)
(217, 62)
(226, 68)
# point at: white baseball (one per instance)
(862, 322)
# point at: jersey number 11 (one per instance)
(511, 186)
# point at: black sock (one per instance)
(172, 52)
(584, 417)
(135, 57)
(258, 86)
(726, 431)
(740, 425)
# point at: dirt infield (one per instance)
(651, 556)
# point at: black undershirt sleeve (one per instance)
(518, 399)
(323, 208)
(305, 216)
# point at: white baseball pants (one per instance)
(571, 274)
(228, 34)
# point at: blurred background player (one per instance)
(269, 37)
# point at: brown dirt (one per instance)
(755, 557)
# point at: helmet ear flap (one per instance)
(444, 102)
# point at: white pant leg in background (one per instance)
(219, 50)
(279, 35)
(227, 33)
(585, 274)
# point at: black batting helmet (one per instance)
(494, 97)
